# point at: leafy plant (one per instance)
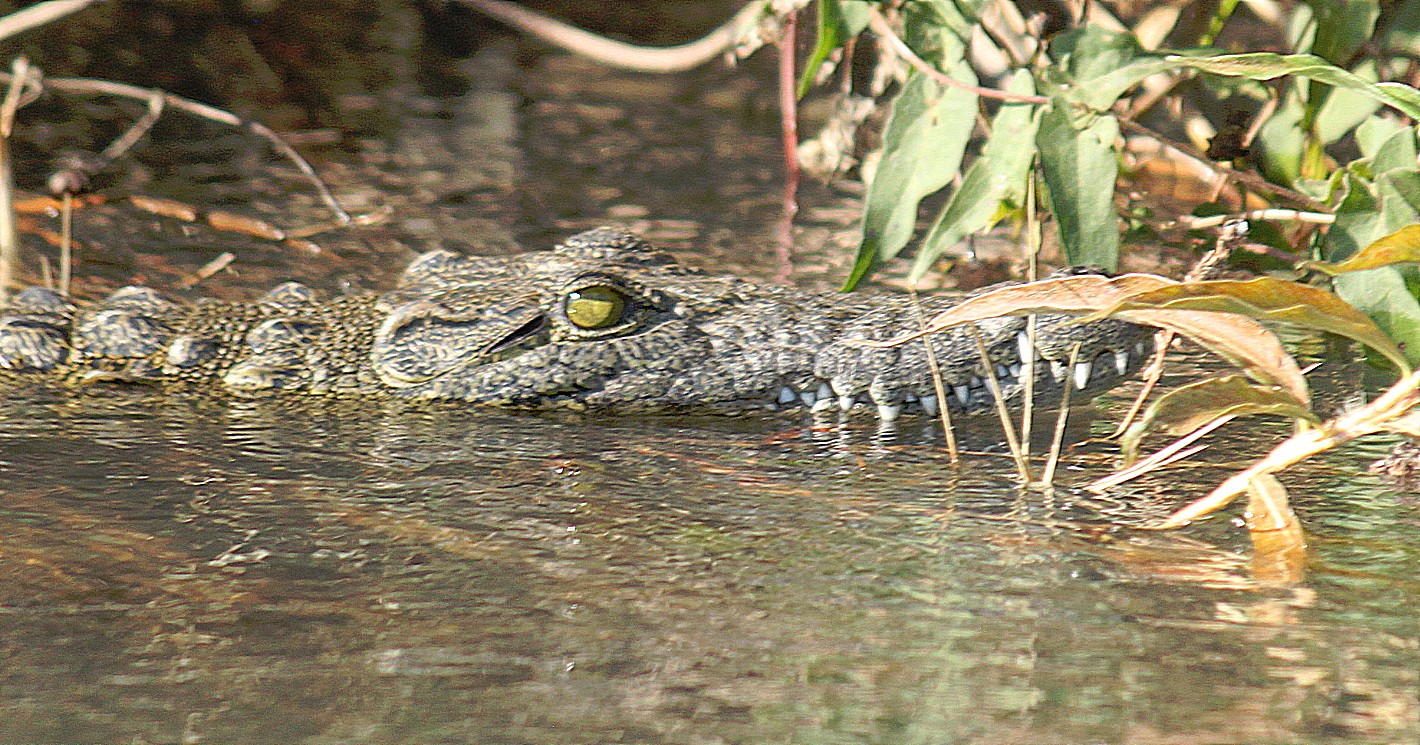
(1062, 110)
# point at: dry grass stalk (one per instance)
(938, 386)
(1386, 413)
(1171, 454)
(1018, 452)
(1057, 441)
(66, 243)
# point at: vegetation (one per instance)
(1322, 135)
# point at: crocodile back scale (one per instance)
(602, 320)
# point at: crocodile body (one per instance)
(602, 320)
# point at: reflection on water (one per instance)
(190, 571)
(262, 574)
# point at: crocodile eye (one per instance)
(596, 307)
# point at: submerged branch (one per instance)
(93, 86)
(618, 53)
(39, 14)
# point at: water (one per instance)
(204, 573)
(208, 571)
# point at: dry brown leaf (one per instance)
(1237, 339)
(1078, 294)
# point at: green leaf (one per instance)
(1408, 98)
(1342, 26)
(1382, 295)
(1101, 92)
(936, 30)
(998, 176)
(1091, 51)
(1396, 151)
(1097, 66)
(1078, 161)
(958, 17)
(1399, 190)
(1282, 140)
(922, 150)
(1358, 218)
(1375, 132)
(838, 21)
(1346, 108)
(1196, 405)
(1268, 66)
(1269, 299)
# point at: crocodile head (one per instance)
(600, 320)
(606, 320)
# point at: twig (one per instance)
(1018, 453)
(39, 14)
(1174, 452)
(1213, 221)
(1028, 383)
(620, 54)
(378, 216)
(1257, 183)
(66, 243)
(883, 29)
(1033, 243)
(938, 386)
(92, 86)
(789, 126)
(1378, 415)
(222, 261)
(74, 176)
(9, 238)
(1162, 339)
(1232, 235)
(1057, 441)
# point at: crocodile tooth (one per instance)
(824, 391)
(1082, 374)
(1024, 347)
(1139, 348)
(1016, 370)
(963, 394)
(975, 382)
(929, 405)
(808, 397)
(787, 396)
(1057, 370)
(1121, 362)
(908, 398)
(823, 404)
(1003, 372)
(846, 402)
(889, 412)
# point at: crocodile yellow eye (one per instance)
(596, 307)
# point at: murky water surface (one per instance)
(208, 571)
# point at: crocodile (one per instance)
(603, 320)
